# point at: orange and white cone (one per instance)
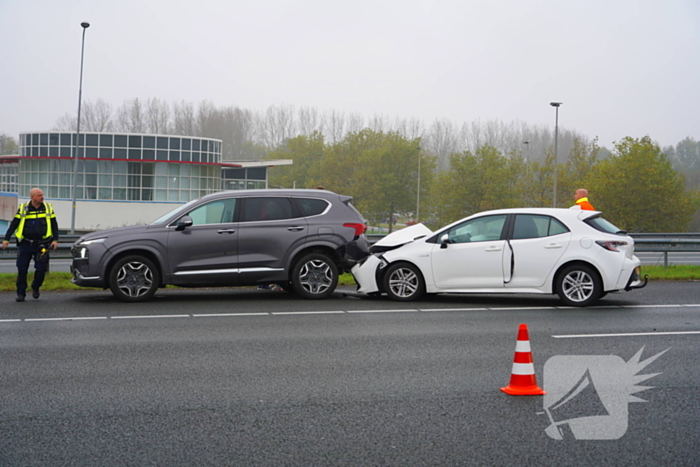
(522, 379)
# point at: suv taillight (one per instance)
(359, 228)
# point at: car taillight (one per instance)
(359, 228)
(611, 245)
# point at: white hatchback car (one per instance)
(575, 254)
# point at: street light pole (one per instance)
(556, 158)
(84, 25)
(527, 152)
(418, 191)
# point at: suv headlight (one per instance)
(82, 250)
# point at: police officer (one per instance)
(36, 229)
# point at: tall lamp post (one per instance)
(84, 25)
(556, 158)
(418, 190)
(527, 151)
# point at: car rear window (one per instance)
(603, 225)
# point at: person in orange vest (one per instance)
(36, 230)
(581, 198)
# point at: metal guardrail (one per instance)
(643, 242)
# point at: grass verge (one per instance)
(61, 280)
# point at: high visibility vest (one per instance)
(585, 205)
(23, 213)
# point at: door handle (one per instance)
(494, 248)
(229, 231)
(295, 229)
(553, 245)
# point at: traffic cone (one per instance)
(522, 378)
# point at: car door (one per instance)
(537, 242)
(206, 253)
(270, 228)
(471, 257)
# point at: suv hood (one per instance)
(401, 237)
(116, 232)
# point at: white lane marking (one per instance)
(77, 318)
(383, 311)
(211, 315)
(151, 316)
(307, 312)
(629, 334)
(281, 313)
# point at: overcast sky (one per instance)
(620, 67)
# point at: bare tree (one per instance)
(355, 123)
(334, 126)
(441, 142)
(308, 121)
(130, 117)
(96, 116)
(277, 125)
(157, 116)
(238, 134)
(184, 122)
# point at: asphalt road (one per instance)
(252, 377)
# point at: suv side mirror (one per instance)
(444, 240)
(183, 222)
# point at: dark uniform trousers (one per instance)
(26, 251)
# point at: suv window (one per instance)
(215, 212)
(266, 209)
(312, 207)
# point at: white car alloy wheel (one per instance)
(579, 286)
(404, 282)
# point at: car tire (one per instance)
(134, 278)
(579, 285)
(315, 276)
(404, 282)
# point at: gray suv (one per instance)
(298, 239)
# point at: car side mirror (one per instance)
(184, 222)
(444, 240)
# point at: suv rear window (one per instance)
(598, 223)
(312, 207)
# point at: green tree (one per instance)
(307, 153)
(380, 171)
(578, 168)
(639, 191)
(8, 145)
(477, 182)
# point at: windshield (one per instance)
(598, 223)
(184, 208)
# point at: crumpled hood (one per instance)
(401, 237)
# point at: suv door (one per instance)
(205, 253)
(270, 229)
